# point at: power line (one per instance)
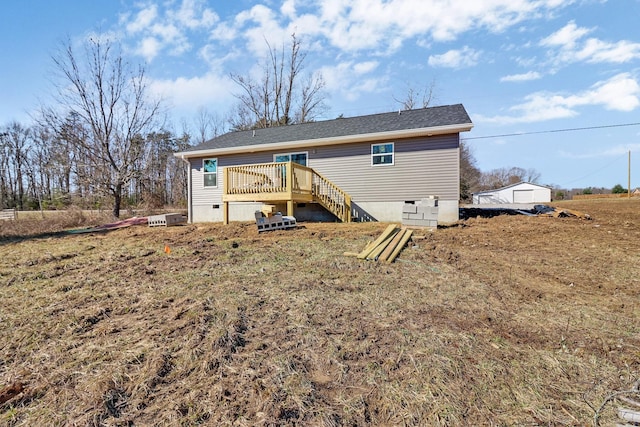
(596, 171)
(553, 131)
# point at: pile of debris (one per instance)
(537, 210)
(544, 210)
(387, 247)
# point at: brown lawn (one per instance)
(512, 320)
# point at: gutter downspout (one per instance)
(189, 195)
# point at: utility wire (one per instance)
(617, 159)
(563, 130)
(553, 131)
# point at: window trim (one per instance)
(306, 153)
(204, 173)
(392, 154)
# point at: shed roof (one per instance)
(511, 186)
(407, 123)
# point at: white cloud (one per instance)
(456, 58)
(350, 79)
(258, 26)
(192, 93)
(193, 14)
(620, 93)
(365, 67)
(371, 24)
(566, 37)
(569, 46)
(382, 25)
(224, 32)
(167, 30)
(531, 75)
(142, 20)
(615, 151)
(148, 48)
(288, 8)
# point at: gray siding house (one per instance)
(351, 169)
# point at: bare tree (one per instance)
(283, 95)
(208, 125)
(502, 177)
(111, 103)
(469, 172)
(418, 98)
(18, 143)
(5, 178)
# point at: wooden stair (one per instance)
(331, 197)
(280, 182)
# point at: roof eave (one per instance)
(349, 139)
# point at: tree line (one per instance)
(43, 168)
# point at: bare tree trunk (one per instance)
(117, 200)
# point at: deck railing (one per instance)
(285, 181)
(332, 197)
(284, 177)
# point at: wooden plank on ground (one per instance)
(350, 253)
(391, 247)
(375, 253)
(390, 229)
(396, 251)
(629, 415)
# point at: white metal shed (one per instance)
(522, 192)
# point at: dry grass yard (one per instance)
(512, 320)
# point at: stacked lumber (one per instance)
(387, 246)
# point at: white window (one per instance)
(210, 172)
(382, 154)
(299, 158)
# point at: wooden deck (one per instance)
(283, 182)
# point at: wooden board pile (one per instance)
(387, 247)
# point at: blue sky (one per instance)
(519, 66)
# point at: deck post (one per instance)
(289, 207)
(290, 179)
(225, 213)
(225, 190)
(347, 205)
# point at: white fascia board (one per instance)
(349, 139)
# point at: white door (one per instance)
(522, 196)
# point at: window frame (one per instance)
(306, 154)
(205, 173)
(375, 155)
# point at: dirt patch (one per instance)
(510, 320)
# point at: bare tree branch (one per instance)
(281, 97)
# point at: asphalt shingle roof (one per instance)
(445, 115)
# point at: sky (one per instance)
(550, 85)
